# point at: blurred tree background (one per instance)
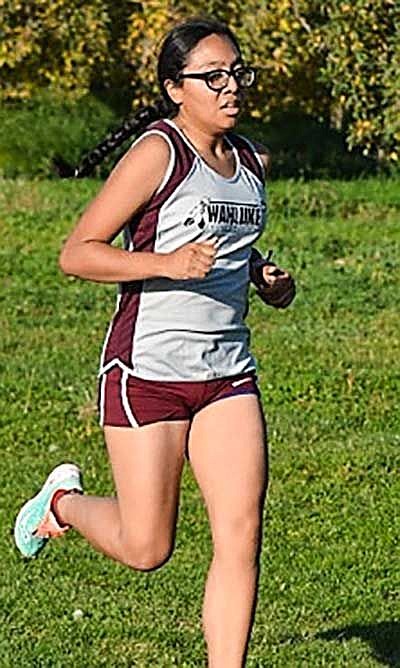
(326, 100)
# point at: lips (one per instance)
(231, 105)
(231, 111)
(231, 108)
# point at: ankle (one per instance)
(58, 505)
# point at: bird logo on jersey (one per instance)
(199, 214)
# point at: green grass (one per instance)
(329, 372)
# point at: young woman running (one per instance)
(176, 373)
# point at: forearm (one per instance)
(98, 261)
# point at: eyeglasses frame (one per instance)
(231, 73)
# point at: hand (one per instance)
(278, 288)
(274, 285)
(193, 260)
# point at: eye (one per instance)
(244, 76)
(216, 77)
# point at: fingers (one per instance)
(202, 263)
(280, 281)
(271, 272)
(194, 260)
(204, 255)
(280, 295)
(208, 248)
(279, 287)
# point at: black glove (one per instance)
(274, 285)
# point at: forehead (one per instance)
(213, 51)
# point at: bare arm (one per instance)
(88, 252)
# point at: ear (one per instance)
(174, 90)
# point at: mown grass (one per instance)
(329, 372)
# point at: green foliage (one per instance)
(51, 43)
(329, 373)
(335, 61)
(360, 45)
(301, 146)
(46, 126)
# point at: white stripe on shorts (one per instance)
(241, 381)
(102, 399)
(125, 402)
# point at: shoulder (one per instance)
(147, 159)
(151, 146)
(140, 172)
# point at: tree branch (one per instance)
(300, 19)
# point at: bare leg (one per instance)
(137, 526)
(229, 460)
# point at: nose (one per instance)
(232, 83)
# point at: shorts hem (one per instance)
(146, 423)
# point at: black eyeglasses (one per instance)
(218, 79)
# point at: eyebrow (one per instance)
(237, 60)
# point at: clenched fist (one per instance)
(275, 286)
(193, 260)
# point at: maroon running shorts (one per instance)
(127, 401)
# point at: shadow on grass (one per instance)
(383, 637)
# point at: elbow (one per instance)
(66, 261)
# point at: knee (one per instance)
(239, 540)
(146, 555)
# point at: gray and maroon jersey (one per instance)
(188, 330)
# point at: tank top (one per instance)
(191, 330)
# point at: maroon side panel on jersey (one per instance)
(247, 156)
(143, 229)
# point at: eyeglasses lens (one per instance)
(243, 76)
(217, 80)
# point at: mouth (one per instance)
(231, 108)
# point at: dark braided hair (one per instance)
(174, 53)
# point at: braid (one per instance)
(130, 126)
(174, 54)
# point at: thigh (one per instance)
(147, 465)
(228, 455)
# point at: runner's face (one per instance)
(213, 110)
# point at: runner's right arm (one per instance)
(88, 252)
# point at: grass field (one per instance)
(329, 372)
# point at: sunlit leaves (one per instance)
(337, 61)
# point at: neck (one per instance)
(204, 139)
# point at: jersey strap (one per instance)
(249, 156)
(183, 158)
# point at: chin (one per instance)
(229, 122)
